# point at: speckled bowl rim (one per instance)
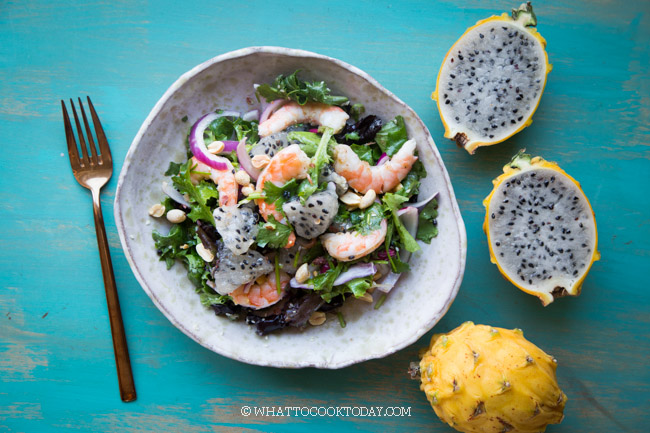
(291, 52)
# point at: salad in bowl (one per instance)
(284, 213)
(371, 296)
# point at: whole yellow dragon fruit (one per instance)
(483, 379)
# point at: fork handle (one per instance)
(124, 373)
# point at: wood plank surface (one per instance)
(56, 358)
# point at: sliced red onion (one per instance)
(197, 143)
(229, 146)
(409, 217)
(271, 108)
(357, 271)
(251, 115)
(388, 282)
(383, 159)
(174, 194)
(245, 160)
(314, 130)
(419, 205)
(296, 285)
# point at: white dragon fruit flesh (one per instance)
(541, 228)
(492, 79)
(270, 145)
(237, 227)
(234, 270)
(315, 216)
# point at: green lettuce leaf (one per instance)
(322, 157)
(411, 183)
(392, 136)
(358, 286)
(368, 153)
(427, 225)
(393, 203)
(197, 197)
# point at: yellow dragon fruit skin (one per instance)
(483, 379)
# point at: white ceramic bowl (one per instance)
(414, 306)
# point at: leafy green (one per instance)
(174, 168)
(368, 152)
(273, 234)
(280, 194)
(169, 245)
(393, 202)
(324, 283)
(315, 251)
(226, 128)
(207, 190)
(180, 244)
(310, 185)
(197, 196)
(358, 286)
(308, 141)
(411, 183)
(427, 226)
(195, 268)
(210, 297)
(392, 136)
(396, 264)
(356, 111)
(292, 87)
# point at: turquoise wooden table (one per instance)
(57, 368)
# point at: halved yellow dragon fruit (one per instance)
(492, 79)
(484, 379)
(541, 229)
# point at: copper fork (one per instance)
(92, 171)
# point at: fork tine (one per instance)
(69, 137)
(80, 133)
(89, 133)
(101, 137)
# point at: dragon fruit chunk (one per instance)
(314, 217)
(237, 226)
(234, 270)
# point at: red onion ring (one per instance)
(174, 194)
(420, 204)
(357, 271)
(251, 115)
(383, 159)
(229, 146)
(245, 160)
(273, 106)
(197, 143)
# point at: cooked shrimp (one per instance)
(312, 112)
(363, 177)
(256, 296)
(289, 163)
(352, 245)
(224, 179)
